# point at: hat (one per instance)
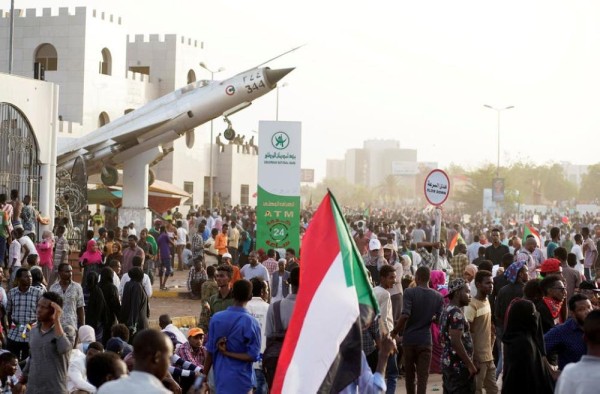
(512, 271)
(389, 246)
(195, 331)
(456, 285)
(551, 265)
(374, 244)
(115, 345)
(226, 256)
(132, 222)
(588, 285)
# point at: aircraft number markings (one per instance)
(255, 86)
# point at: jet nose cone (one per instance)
(274, 76)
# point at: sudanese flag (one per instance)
(322, 348)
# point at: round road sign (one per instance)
(437, 187)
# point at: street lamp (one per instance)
(277, 103)
(498, 110)
(210, 188)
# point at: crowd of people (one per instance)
(489, 302)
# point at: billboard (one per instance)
(278, 205)
(498, 189)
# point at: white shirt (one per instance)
(145, 282)
(259, 308)
(136, 382)
(580, 378)
(76, 374)
(386, 323)
(14, 252)
(248, 272)
(27, 243)
(279, 295)
(181, 236)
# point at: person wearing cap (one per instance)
(374, 260)
(254, 269)
(131, 228)
(458, 369)
(193, 349)
(589, 289)
(550, 267)
(227, 260)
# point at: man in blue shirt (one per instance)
(234, 344)
(566, 340)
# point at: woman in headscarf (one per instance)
(90, 260)
(95, 307)
(134, 308)
(525, 369)
(469, 277)
(437, 281)
(111, 297)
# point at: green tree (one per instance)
(590, 187)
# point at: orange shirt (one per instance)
(221, 243)
(236, 274)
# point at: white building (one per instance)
(28, 129)
(103, 73)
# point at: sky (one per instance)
(415, 71)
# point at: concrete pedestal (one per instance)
(135, 190)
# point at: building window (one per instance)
(46, 57)
(189, 188)
(106, 63)
(191, 77)
(103, 119)
(245, 195)
(140, 69)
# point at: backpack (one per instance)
(274, 345)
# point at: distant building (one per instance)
(375, 161)
(574, 172)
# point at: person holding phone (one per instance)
(46, 367)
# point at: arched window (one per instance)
(103, 119)
(46, 56)
(106, 63)
(19, 154)
(191, 77)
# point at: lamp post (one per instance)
(210, 171)
(498, 110)
(277, 103)
(11, 33)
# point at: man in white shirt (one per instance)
(137, 262)
(254, 269)
(578, 252)
(132, 230)
(258, 308)
(182, 239)
(153, 352)
(387, 280)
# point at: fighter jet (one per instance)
(168, 118)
